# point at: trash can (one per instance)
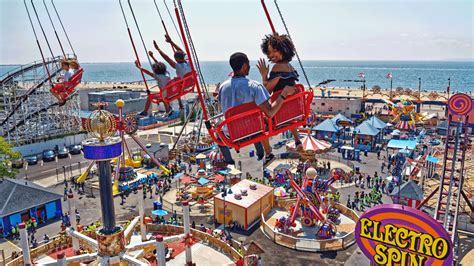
(365, 153)
(357, 169)
(252, 153)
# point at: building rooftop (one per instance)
(252, 195)
(19, 195)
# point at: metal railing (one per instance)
(315, 245)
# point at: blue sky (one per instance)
(322, 30)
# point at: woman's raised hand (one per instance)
(263, 68)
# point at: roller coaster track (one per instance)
(9, 79)
(28, 110)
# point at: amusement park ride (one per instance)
(29, 112)
(310, 205)
(451, 182)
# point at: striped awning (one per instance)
(405, 125)
(311, 144)
(215, 156)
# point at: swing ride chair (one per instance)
(247, 124)
(176, 87)
(65, 89)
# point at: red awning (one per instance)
(218, 178)
(185, 179)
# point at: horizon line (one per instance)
(321, 60)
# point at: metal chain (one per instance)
(209, 99)
(297, 56)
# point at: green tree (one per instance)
(6, 156)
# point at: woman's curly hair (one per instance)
(281, 43)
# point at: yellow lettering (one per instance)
(400, 236)
(365, 225)
(380, 256)
(416, 260)
(440, 248)
(425, 244)
(414, 236)
(377, 235)
(394, 256)
(389, 231)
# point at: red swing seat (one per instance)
(64, 89)
(175, 89)
(245, 124)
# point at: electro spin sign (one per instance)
(391, 234)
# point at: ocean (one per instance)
(434, 74)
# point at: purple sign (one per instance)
(391, 234)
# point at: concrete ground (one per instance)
(89, 208)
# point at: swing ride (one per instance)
(30, 112)
(312, 218)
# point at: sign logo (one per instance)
(391, 234)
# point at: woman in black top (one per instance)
(280, 51)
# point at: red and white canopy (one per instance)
(405, 125)
(311, 144)
(215, 156)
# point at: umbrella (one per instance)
(279, 192)
(200, 156)
(159, 212)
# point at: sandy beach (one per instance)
(334, 91)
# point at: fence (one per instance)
(335, 158)
(207, 239)
(316, 245)
(56, 243)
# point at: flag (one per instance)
(361, 75)
(389, 75)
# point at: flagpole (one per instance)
(391, 83)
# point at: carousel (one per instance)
(311, 147)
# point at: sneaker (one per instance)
(260, 157)
(268, 159)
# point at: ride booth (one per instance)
(408, 194)
(365, 137)
(243, 204)
(327, 130)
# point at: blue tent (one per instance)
(401, 144)
(340, 117)
(203, 181)
(327, 125)
(376, 122)
(367, 129)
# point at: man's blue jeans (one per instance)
(228, 157)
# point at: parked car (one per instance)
(49, 155)
(31, 160)
(63, 152)
(17, 163)
(75, 149)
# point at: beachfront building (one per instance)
(327, 130)
(365, 137)
(22, 200)
(243, 203)
(334, 105)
